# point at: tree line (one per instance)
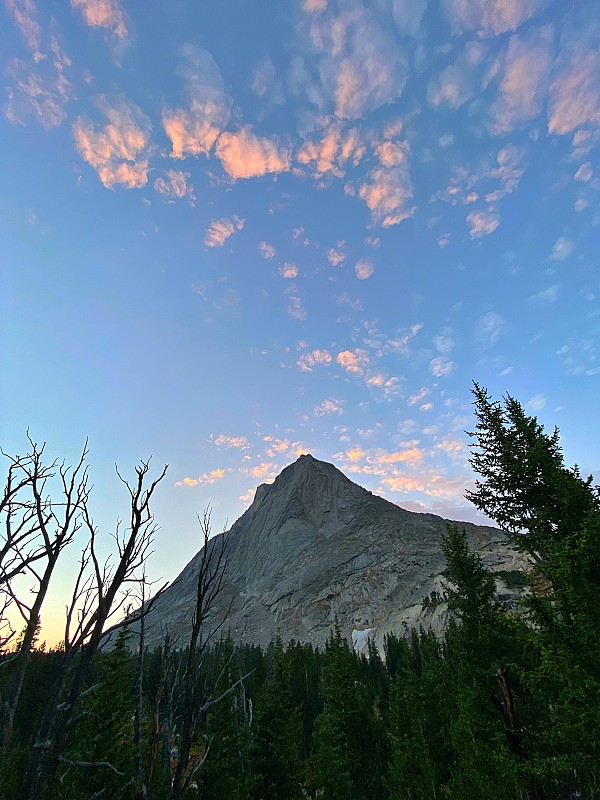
(506, 706)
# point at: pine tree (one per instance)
(277, 733)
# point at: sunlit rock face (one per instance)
(313, 547)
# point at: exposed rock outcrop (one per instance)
(314, 546)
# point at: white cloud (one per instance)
(491, 326)
(562, 249)
(482, 223)
(535, 403)
(549, 295)
(441, 366)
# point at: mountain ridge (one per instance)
(314, 546)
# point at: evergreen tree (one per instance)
(225, 774)
(553, 514)
(277, 733)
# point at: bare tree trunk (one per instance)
(210, 584)
(93, 602)
(35, 529)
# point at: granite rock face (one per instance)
(314, 546)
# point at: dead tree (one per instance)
(101, 590)
(35, 531)
(209, 587)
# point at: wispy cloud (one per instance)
(482, 222)
(118, 150)
(173, 185)
(561, 249)
(329, 406)
(245, 155)
(456, 83)
(549, 295)
(408, 15)
(24, 13)
(523, 86)
(441, 366)
(535, 403)
(490, 327)
(574, 95)
(235, 442)
(417, 397)
(584, 172)
(193, 130)
(490, 17)
(107, 14)
(308, 361)
(266, 250)
(220, 230)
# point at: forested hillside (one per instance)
(505, 707)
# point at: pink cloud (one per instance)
(245, 155)
(289, 271)
(523, 86)
(331, 153)
(574, 98)
(335, 257)
(491, 17)
(308, 361)
(207, 478)
(103, 14)
(361, 67)
(235, 442)
(387, 194)
(119, 149)
(295, 308)
(353, 361)
(194, 130)
(174, 185)
(482, 223)
(266, 250)
(24, 13)
(364, 269)
(220, 230)
(314, 6)
(329, 406)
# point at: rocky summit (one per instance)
(313, 547)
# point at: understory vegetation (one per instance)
(506, 706)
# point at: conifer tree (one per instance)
(277, 733)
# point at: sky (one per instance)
(235, 232)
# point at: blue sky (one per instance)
(236, 232)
